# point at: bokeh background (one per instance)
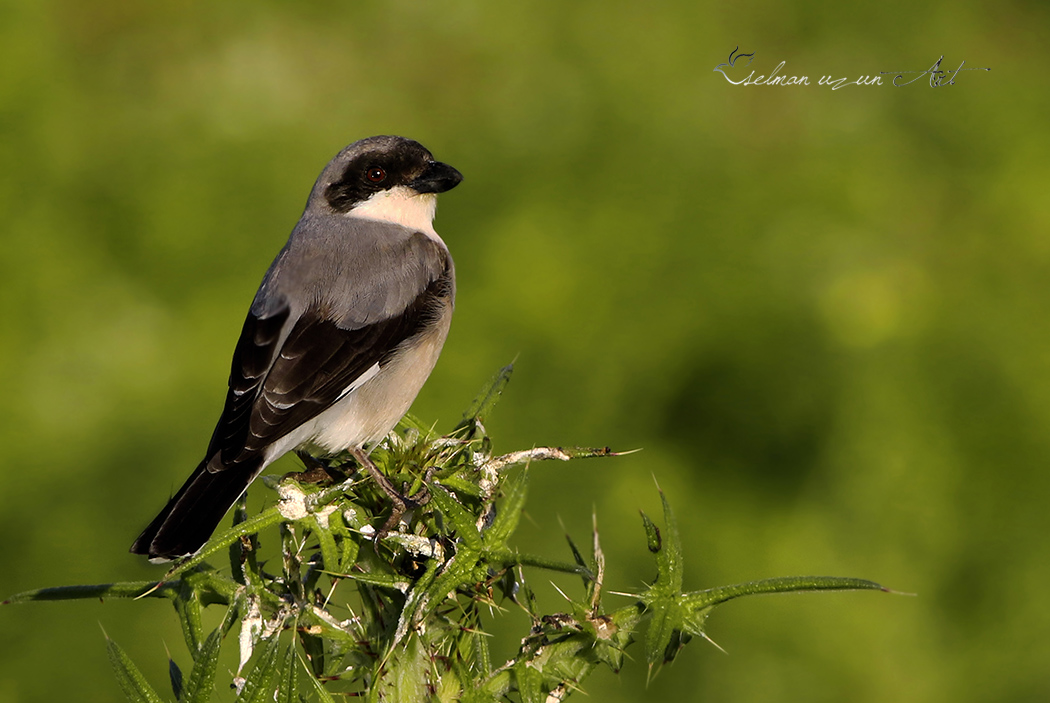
(822, 314)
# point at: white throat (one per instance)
(401, 206)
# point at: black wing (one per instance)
(317, 361)
(354, 313)
(274, 391)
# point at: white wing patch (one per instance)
(364, 378)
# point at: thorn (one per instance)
(561, 524)
(561, 592)
(717, 646)
(475, 631)
(331, 592)
(149, 590)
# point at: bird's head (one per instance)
(385, 178)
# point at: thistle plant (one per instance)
(350, 605)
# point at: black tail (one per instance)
(192, 515)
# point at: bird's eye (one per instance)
(376, 174)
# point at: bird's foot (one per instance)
(401, 503)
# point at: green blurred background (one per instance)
(822, 314)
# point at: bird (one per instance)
(342, 334)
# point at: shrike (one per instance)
(343, 332)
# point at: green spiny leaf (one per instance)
(482, 656)
(289, 678)
(458, 571)
(201, 681)
(428, 592)
(487, 398)
(322, 693)
(348, 554)
(667, 618)
(463, 486)
(131, 680)
(629, 616)
(578, 558)
(507, 557)
(609, 641)
(514, 490)
(175, 675)
(462, 521)
(669, 560)
(679, 639)
(652, 534)
(348, 546)
(398, 583)
(259, 683)
(233, 613)
(313, 647)
(329, 553)
(447, 682)
(789, 584)
(694, 619)
(329, 634)
(237, 552)
(566, 658)
(411, 422)
(408, 672)
(267, 518)
(127, 589)
(576, 555)
(667, 547)
(210, 585)
(530, 683)
(188, 607)
(494, 689)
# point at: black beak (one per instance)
(437, 178)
